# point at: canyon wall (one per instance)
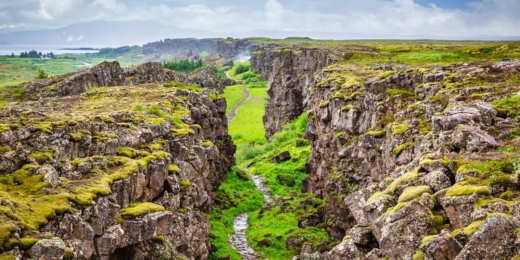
(83, 177)
(399, 153)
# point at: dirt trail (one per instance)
(232, 113)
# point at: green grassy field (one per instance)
(233, 95)
(18, 70)
(248, 121)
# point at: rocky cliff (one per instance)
(122, 172)
(227, 49)
(111, 74)
(414, 162)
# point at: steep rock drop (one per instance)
(125, 172)
(414, 162)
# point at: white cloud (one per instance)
(81, 37)
(70, 39)
(401, 17)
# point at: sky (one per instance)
(396, 17)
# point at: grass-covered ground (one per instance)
(284, 180)
(18, 70)
(233, 95)
(233, 198)
(248, 126)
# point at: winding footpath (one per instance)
(232, 113)
(239, 239)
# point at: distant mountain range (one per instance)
(141, 32)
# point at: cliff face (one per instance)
(111, 74)
(413, 162)
(290, 74)
(84, 177)
(227, 49)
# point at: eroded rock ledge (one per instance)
(126, 172)
(414, 162)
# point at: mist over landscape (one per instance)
(260, 130)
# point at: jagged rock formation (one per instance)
(290, 74)
(126, 172)
(227, 49)
(413, 162)
(111, 74)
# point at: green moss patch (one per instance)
(376, 134)
(413, 192)
(184, 184)
(467, 188)
(140, 209)
(400, 148)
(399, 129)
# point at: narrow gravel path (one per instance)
(232, 113)
(239, 239)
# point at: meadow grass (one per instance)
(248, 121)
(275, 221)
(244, 198)
(233, 95)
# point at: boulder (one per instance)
(49, 174)
(442, 247)
(284, 156)
(264, 243)
(347, 249)
(402, 231)
(293, 242)
(459, 209)
(361, 235)
(473, 139)
(286, 179)
(493, 240)
(47, 249)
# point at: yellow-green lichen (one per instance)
(400, 148)
(413, 192)
(184, 184)
(348, 108)
(207, 143)
(173, 169)
(324, 104)
(376, 134)
(467, 188)
(399, 129)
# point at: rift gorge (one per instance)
(262, 148)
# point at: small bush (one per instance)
(41, 75)
(241, 69)
(18, 92)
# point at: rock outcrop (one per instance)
(111, 74)
(418, 156)
(126, 172)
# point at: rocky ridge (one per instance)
(226, 48)
(414, 162)
(111, 74)
(124, 172)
